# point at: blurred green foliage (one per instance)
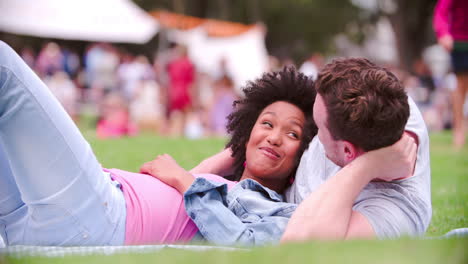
(297, 28)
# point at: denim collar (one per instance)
(255, 186)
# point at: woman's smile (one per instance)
(270, 153)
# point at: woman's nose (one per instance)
(274, 138)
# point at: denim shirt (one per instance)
(249, 214)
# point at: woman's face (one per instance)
(273, 144)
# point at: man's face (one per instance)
(334, 149)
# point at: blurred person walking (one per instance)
(114, 121)
(131, 72)
(224, 97)
(101, 62)
(312, 65)
(181, 77)
(451, 27)
(66, 92)
(147, 106)
(49, 60)
(71, 62)
(28, 55)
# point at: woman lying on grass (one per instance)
(54, 192)
(270, 129)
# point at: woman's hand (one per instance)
(166, 169)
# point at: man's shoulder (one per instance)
(422, 174)
(416, 187)
(416, 123)
(314, 169)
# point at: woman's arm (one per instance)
(207, 206)
(166, 169)
(219, 164)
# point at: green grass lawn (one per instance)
(449, 199)
(449, 185)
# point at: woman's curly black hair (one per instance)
(287, 85)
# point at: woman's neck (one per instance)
(277, 185)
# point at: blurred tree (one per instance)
(298, 27)
(295, 28)
(178, 6)
(412, 24)
(224, 7)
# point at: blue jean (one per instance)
(52, 189)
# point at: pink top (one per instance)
(451, 17)
(155, 211)
(116, 125)
(181, 73)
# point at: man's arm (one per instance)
(327, 213)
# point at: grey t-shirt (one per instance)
(394, 208)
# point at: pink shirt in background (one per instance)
(451, 17)
(116, 125)
(155, 211)
(181, 74)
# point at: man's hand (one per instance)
(166, 169)
(396, 161)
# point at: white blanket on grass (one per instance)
(43, 251)
(35, 251)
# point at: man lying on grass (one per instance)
(359, 107)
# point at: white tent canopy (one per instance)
(91, 20)
(245, 54)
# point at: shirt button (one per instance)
(192, 215)
(85, 236)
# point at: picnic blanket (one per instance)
(48, 251)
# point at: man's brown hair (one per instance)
(366, 104)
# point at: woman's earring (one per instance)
(245, 163)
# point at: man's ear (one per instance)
(350, 151)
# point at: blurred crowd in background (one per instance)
(174, 68)
(126, 94)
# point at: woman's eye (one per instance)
(267, 123)
(294, 135)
